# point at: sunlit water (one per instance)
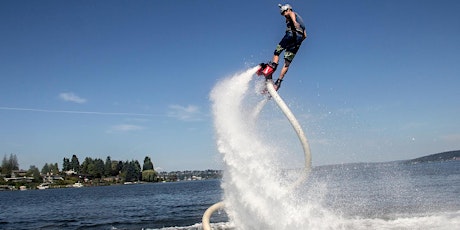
(121, 206)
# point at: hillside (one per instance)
(444, 156)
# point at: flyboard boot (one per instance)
(267, 69)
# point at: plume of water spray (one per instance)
(254, 194)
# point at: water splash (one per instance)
(254, 192)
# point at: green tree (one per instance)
(50, 169)
(114, 170)
(94, 168)
(138, 169)
(124, 170)
(75, 164)
(9, 164)
(4, 165)
(99, 168)
(131, 171)
(120, 167)
(148, 165)
(108, 167)
(87, 166)
(45, 169)
(66, 165)
(149, 175)
(91, 169)
(35, 173)
(55, 169)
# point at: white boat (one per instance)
(77, 185)
(43, 186)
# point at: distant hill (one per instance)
(444, 156)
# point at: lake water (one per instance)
(363, 196)
(122, 206)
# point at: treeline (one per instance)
(90, 168)
(92, 172)
(97, 168)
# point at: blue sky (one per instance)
(374, 81)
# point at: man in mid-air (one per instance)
(290, 44)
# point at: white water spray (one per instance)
(255, 196)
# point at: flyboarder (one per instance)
(290, 44)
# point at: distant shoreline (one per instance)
(208, 174)
(444, 156)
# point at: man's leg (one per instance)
(284, 69)
(289, 55)
(276, 58)
(277, 83)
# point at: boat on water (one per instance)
(77, 185)
(43, 186)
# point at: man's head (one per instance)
(284, 8)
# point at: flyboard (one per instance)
(267, 71)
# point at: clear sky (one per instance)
(374, 81)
